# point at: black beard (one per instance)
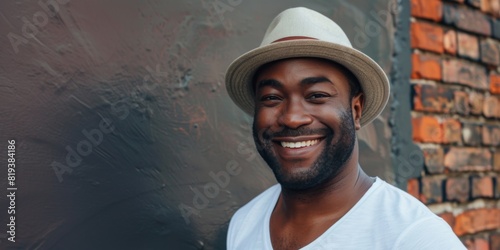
(328, 165)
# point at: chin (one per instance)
(301, 181)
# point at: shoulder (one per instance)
(428, 233)
(387, 210)
(247, 222)
(419, 227)
(401, 204)
(261, 201)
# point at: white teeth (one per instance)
(299, 144)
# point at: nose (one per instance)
(294, 115)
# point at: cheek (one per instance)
(264, 119)
(329, 115)
(329, 108)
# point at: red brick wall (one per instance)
(456, 114)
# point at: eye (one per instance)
(270, 100)
(317, 96)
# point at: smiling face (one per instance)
(305, 120)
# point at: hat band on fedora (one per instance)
(288, 38)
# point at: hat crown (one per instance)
(303, 22)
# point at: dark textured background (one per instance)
(155, 70)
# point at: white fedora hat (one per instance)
(301, 32)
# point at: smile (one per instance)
(299, 144)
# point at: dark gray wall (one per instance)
(180, 158)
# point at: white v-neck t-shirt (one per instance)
(384, 218)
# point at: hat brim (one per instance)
(372, 78)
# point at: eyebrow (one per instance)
(314, 80)
(269, 83)
(306, 81)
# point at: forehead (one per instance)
(301, 68)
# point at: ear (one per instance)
(357, 104)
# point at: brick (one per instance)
(462, 105)
(495, 26)
(495, 84)
(467, 19)
(434, 159)
(427, 36)
(491, 107)
(452, 131)
(432, 99)
(496, 185)
(495, 241)
(413, 187)
(491, 7)
(432, 190)
(463, 72)
(477, 244)
(450, 42)
(471, 134)
(428, 9)
(496, 161)
(427, 129)
(482, 187)
(476, 102)
(475, 3)
(481, 244)
(457, 189)
(468, 46)
(491, 135)
(426, 67)
(490, 51)
(449, 218)
(467, 159)
(477, 220)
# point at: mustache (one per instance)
(288, 132)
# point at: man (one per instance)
(309, 92)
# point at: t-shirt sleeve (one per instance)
(428, 233)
